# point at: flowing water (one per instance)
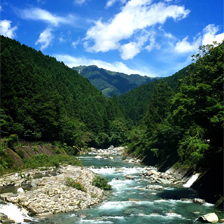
(130, 202)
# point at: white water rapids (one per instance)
(14, 213)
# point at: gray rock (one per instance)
(154, 187)
(198, 201)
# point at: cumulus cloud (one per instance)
(186, 47)
(208, 35)
(44, 15)
(6, 29)
(135, 16)
(116, 66)
(129, 50)
(112, 2)
(45, 38)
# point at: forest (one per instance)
(185, 121)
(44, 100)
(181, 115)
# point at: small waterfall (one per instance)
(191, 180)
(14, 212)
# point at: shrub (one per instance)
(21, 154)
(72, 183)
(40, 143)
(12, 140)
(101, 183)
(41, 160)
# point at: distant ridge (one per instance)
(111, 83)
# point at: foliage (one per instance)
(135, 102)
(72, 183)
(13, 138)
(101, 183)
(44, 100)
(42, 160)
(190, 122)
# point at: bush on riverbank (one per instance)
(72, 183)
(49, 161)
(101, 182)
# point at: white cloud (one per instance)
(1, 8)
(6, 29)
(128, 51)
(44, 15)
(209, 35)
(45, 38)
(112, 2)
(135, 16)
(153, 44)
(79, 2)
(75, 43)
(186, 47)
(71, 61)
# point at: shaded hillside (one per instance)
(134, 102)
(184, 125)
(111, 83)
(43, 99)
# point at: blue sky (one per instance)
(146, 37)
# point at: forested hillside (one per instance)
(42, 99)
(111, 83)
(134, 103)
(186, 124)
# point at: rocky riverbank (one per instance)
(49, 193)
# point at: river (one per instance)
(130, 202)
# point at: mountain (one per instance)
(134, 103)
(111, 83)
(44, 100)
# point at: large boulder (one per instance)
(210, 218)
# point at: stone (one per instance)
(129, 177)
(154, 187)
(210, 218)
(20, 191)
(198, 201)
(133, 199)
(52, 195)
(27, 220)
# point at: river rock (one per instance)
(111, 147)
(129, 177)
(163, 181)
(210, 218)
(198, 201)
(20, 191)
(154, 187)
(54, 196)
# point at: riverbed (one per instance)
(130, 201)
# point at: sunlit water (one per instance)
(130, 202)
